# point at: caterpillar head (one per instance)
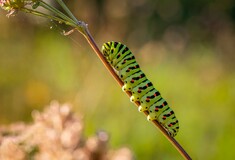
(106, 49)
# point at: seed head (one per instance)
(10, 5)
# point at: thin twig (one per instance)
(41, 14)
(56, 12)
(61, 3)
(94, 46)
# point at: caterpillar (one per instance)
(135, 81)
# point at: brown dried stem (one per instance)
(94, 46)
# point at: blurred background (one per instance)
(186, 48)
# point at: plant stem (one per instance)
(27, 10)
(61, 3)
(56, 12)
(94, 46)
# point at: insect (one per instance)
(142, 90)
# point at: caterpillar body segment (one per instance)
(139, 91)
(129, 70)
(148, 99)
(124, 63)
(128, 59)
(133, 80)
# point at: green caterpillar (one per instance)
(143, 91)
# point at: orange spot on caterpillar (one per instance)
(170, 125)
